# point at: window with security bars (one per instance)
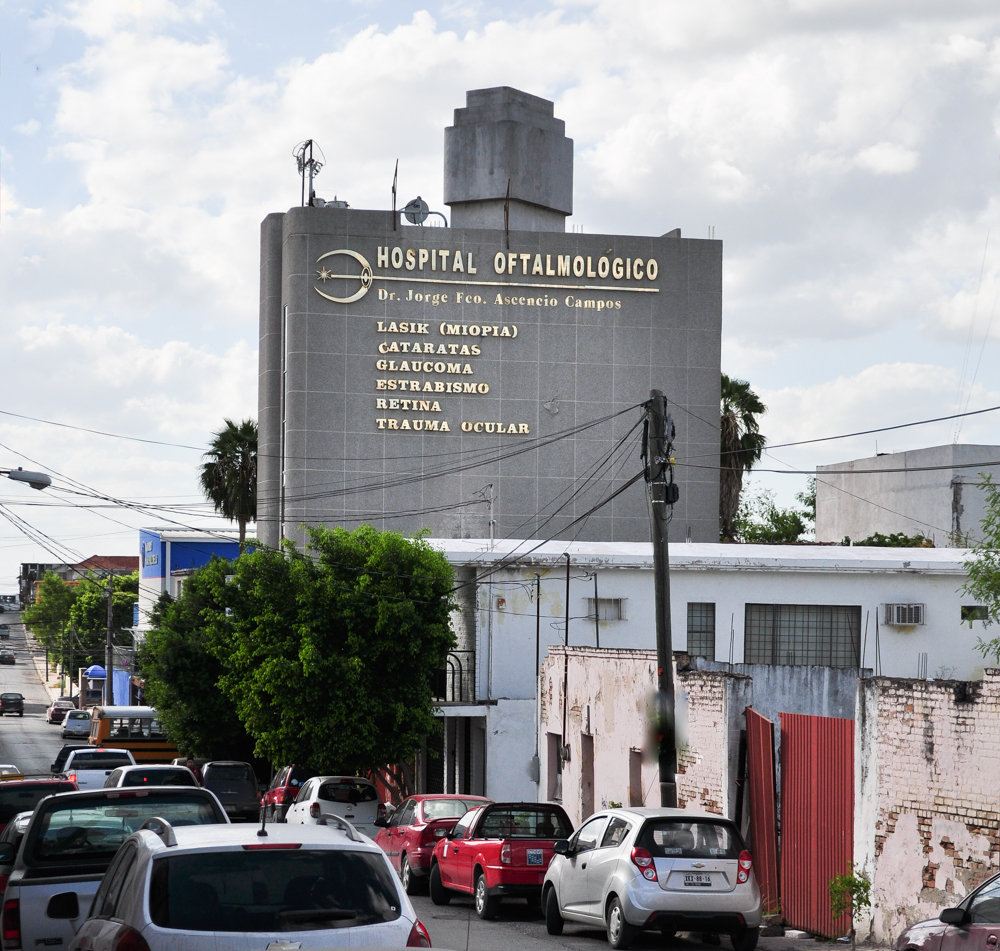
(701, 629)
(824, 635)
(611, 609)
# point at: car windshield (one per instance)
(524, 823)
(272, 890)
(447, 808)
(667, 838)
(348, 790)
(158, 777)
(232, 773)
(15, 799)
(90, 831)
(79, 761)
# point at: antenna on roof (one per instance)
(395, 175)
(308, 165)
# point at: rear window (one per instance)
(348, 790)
(15, 799)
(237, 773)
(78, 715)
(84, 831)
(280, 890)
(158, 777)
(81, 761)
(447, 808)
(524, 824)
(298, 775)
(11, 696)
(134, 728)
(702, 840)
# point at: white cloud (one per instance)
(886, 158)
(28, 128)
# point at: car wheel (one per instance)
(439, 894)
(553, 920)
(620, 933)
(487, 905)
(745, 939)
(406, 875)
(21, 714)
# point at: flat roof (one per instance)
(695, 556)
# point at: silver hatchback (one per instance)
(665, 869)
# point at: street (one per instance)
(28, 742)
(457, 927)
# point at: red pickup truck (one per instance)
(501, 850)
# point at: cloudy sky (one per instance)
(846, 152)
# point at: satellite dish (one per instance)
(417, 211)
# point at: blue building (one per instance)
(167, 556)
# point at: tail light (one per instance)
(12, 924)
(745, 864)
(505, 853)
(643, 860)
(3, 884)
(72, 777)
(431, 834)
(314, 810)
(128, 939)
(381, 811)
(419, 938)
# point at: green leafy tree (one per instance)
(895, 540)
(89, 616)
(229, 477)
(329, 654)
(807, 500)
(182, 673)
(742, 445)
(49, 616)
(850, 893)
(983, 566)
(759, 521)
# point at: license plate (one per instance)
(535, 856)
(702, 881)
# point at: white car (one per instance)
(236, 888)
(76, 723)
(90, 766)
(349, 797)
(671, 870)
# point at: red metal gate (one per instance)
(817, 817)
(763, 821)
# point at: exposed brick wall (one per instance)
(933, 829)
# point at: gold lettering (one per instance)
(637, 268)
(411, 259)
(383, 256)
(536, 266)
(578, 266)
(563, 262)
(525, 258)
(603, 267)
(618, 269)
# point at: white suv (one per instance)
(665, 869)
(239, 886)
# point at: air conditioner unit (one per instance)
(904, 615)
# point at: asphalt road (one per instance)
(28, 742)
(457, 927)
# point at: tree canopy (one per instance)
(48, 617)
(983, 566)
(741, 446)
(229, 477)
(89, 616)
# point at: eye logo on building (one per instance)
(326, 275)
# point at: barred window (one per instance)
(701, 629)
(825, 635)
(611, 609)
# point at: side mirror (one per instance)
(63, 905)
(8, 852)
(954, 916)
(382, 822)
(561, 847)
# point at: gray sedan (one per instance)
(665, 869)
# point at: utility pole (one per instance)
(658, 434)
(109, 647)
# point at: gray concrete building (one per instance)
(933, 491)
(490, 371)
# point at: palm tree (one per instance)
(742, 445)
(229, 478)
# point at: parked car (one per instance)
(12, 703)
(4, 632)
(70, 841)
(7, 656)
(57, 710)
(228, 887)
(150, 776)
(8, 772)
(20, 795)
(235, 785)
(409, 835)
(90, 767)
(13, 833)
(628, 870)
(969, 924)
(498, 851)
(282, 792)
(76, 723)
(349, 797)
(63, 755)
